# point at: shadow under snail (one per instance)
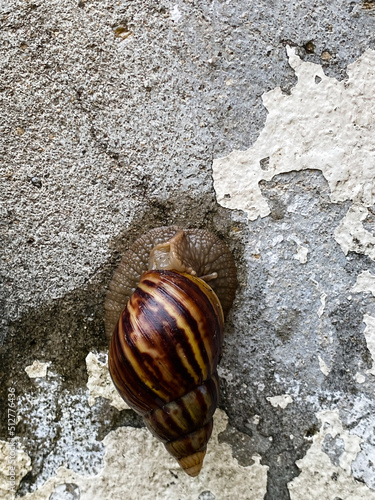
(166, 328)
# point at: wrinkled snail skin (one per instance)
(199, 249)
(167, 343)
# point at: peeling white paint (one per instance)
(360, 378)
(99, 381)
(365, 283)
(323, 298)
(320, 477)
(351, 234)
(302, 253)
(175, 14)
(281, 401)
(370, 339)
(362, 418)
(136, 462)
(332, 129)
(325, 369)
(22, 467)
(37, 369)
(256, 419)
(225, 374)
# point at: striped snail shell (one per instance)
(167, 340)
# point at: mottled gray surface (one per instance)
(111, 114)
(281, 332)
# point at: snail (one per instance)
(164, 313)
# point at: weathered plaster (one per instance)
(111, 115)
(365, 283)
(281, 401)
(351, 234)
(323, 366)
(320, 477)
(99, 381)
(323, 124)
(37, 369)
(369, 333)
(22, 466)
(362, 424)
(58, 433)
(135, 461)
(302, 253)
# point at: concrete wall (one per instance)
(254, 120)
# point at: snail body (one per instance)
(167, 341)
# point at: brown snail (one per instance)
(166, 325)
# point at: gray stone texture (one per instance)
(111, 115)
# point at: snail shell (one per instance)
(167, 341)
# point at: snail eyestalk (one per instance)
(168, 255)
(208, 277)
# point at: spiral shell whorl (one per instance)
(167, 341)
(163, 360)
(185, 425)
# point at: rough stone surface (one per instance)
(111, 114)
(128, 452)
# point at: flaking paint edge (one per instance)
(136, 463)
(365, 283)
(22, 465)
(281, 401)
(324, 479)
(37, 369)
(369, 334)
(99, 381)
(349, 168)
(338, 139)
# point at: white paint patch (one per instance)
(37, 369)
(302, 253)
(365, 283)
(370, 339)
(323, 298)
(22, 467)
(136, 462)
(256, 419)
(362, 424)
(281, 401)
(325, 369)
(324, 479)
(276, 240)
(327, 125)
(225, 373)
(364, 464)
(175, 14)
(352, 236)
(99, 382)
(360, 378)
